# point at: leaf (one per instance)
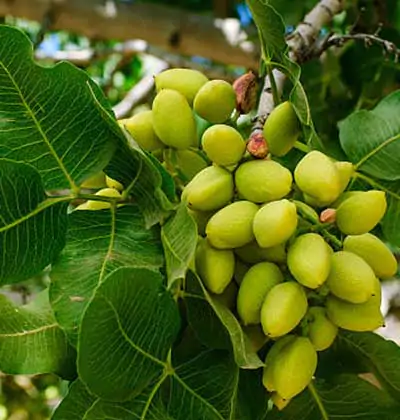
(76, 404)
(380, 356)
(207, 387)
(49, 117)
(371, 139)
(245, 356)
(347, 397)
(148, 182)
(31, 342)
(270, 27)
(32, 226)
(391, 220)
(179, 238)
(98, 243)
(126, 333)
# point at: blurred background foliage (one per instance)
(344, 79)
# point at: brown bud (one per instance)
(246, 89)
(328, 216)
(257, 146)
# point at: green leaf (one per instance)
(245, 356)
(126, 333)
(76, 404)
(49, 117)
(31, 341)
(32, 226)
(391, 220)
(347, 397)
(179, 238)
(207, 387)
(147, 181)
(371, 139)
(379, 356)
(270, 27)
(98, 243)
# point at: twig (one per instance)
(139, 92)
(300, 43)
(368, 39)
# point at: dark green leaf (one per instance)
(206, 387)
(371, 139)
(270, 27)
(245, 356)
(51, 117)
(126, 333)
(76, 404)
(143, 178)
(179, 237)
(98, 243)
(379, 356)
(391, 220)
(32, 226)
(347, 397)
(31, 341)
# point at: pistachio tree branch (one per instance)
(300, 43)
(333, 40)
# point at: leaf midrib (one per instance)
(39, 128)
(376, 150)
(41, 207)
(29, 332)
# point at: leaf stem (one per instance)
(318, 401)
(274, 87)
(376, 184)
(302, 147)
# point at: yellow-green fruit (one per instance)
(141, 128)
(210, 189)
(345, 171)
(189, 163)
(256, 284)
(321, 330)
(231, 227)
(275, 223)
(240, 271)
(223, 144)
(283, 308)
(350, 277)
(96, 181)
(294, 367)
(173, 119)
(215, 266)
(361, 213)
(263, 180)
(186, 81)
(343, 197)
(374, 252)
(317, 176)
(215, 101)
(113, 183)
(279, 402)
(201, 218)
(256, 336)
(309, 260)
(356, 317)
(252, 253)
(277, 347)
(282, 129)
(100, 205)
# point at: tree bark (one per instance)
(172, 29)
